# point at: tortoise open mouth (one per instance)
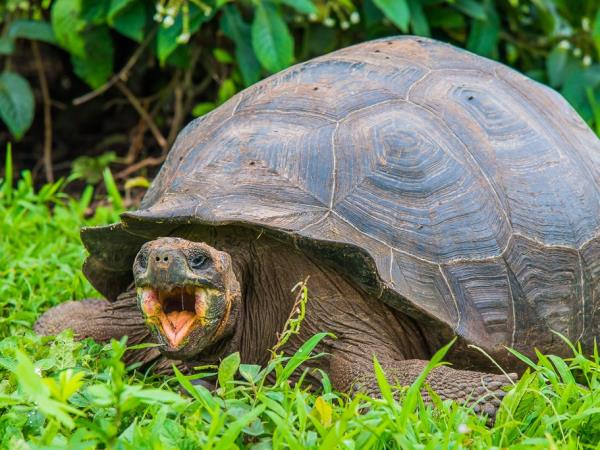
(178, 310)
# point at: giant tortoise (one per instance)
(424, 191)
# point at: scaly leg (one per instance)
(483, 390)
(102, 321)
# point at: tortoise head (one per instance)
(187, 292)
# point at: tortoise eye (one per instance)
(142, 260)
(197, 261)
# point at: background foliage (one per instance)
(155, 64)
(57, 393)
(110, 83)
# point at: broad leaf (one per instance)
(556, 63)
(397, 11)
(228, 369)
(94, 11)
(484, 35)
(17, 104)
(271, 39)
(7, 46)
(303, 6)
(418, 20)
(68, 25)
(129, 17)
(472, 8)
(446, 18)
(91, 48)
(226, 90)
(32, 29)
(238, 31)
(118, 7)
(203, 108)
(96, 66)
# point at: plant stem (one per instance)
(160, 139)
(47, 102)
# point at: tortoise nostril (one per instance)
(164, 257)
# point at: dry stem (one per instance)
(47, 102)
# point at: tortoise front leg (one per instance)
(484, 391)
(102, 321)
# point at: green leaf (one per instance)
(446, 18)
(157, 396)
(228, 369)
(250, 372)
(226, 91)
(472, 8)
(32, 29)
(371, 14)
(117, 7)
(7, 46)
(234, 27)
(397, 11)
(577, 81)
(382, 382)
(226, 441)
(17, 105)
(7, 190)
(96, 66)
(412, 395)
(166, 39)
(112, 189)
(271, 39)
(202, 108)
(303, 6)
(200, 393)
(301, 355)
(94, 11)
(223, 56)
(418, 20)
(68, 25)
(484, 35)
(90, 47)
(596, 31)
(556, 64)
(129, 17)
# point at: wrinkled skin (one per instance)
(218, 292)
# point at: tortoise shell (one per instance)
(451, 186)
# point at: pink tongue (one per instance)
(178, 319)
(176, 326)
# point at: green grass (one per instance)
(59, 393)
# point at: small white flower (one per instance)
(587, 60)
(158, 17)
(38, 371)
(168, 21)
(577, 52)
(585, 24)
(463, 428)
(183, 38)
(329, 22)
(564, 45)
(171, 11)
(313, 17)
(160, 9)
(344, 25)
(354, 17)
